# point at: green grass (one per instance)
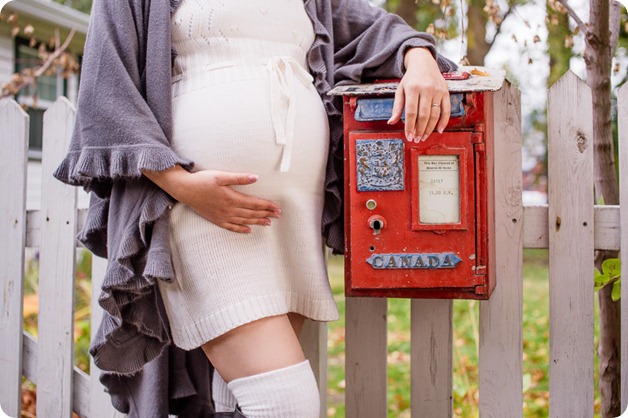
(466, 321)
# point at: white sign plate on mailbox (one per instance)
(439, 189)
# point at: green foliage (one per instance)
(535, 377)
(84, 6)
(610, 275)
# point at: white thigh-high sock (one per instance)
(290, 392)
(223, 398)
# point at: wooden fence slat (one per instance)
(571, 224)
(431, 362)
(606, 234)
(622, 100)
(13, 154)
(33, 226)
(535, 233)
(500, 351)
(366, 357)
(29, 354)
(56, 278)
(313, 339)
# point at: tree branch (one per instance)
(499, 27)
(572, 13)
(28, 80)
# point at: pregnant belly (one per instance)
(233, 127)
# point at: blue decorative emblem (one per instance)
(413, 261)
(379, 164)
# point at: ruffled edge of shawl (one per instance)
(129, 299)
(95, 168)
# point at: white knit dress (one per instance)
(243, 101)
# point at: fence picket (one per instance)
(431, 362)
(56, 273)
(365, 357)
(622, 118)
(313, 339)
(501, 350)
(13, 155)
(571, 224)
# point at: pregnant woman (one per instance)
(244, 221)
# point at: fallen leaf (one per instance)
(475, 71)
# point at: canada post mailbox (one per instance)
(419, 216)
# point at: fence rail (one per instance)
(570, 226)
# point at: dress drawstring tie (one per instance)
(284, 72)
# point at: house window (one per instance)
(49, 87)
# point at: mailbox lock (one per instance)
(376, 223)
(371, 204)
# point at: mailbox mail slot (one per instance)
(418, 216)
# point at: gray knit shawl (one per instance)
(124, 124)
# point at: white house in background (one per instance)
(16, 53)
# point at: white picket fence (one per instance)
(571, 227)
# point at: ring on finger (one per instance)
(435, 104)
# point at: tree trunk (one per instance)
(407, 9)
(476, 32)
(598, 56)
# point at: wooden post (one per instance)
(57, 270)
(571, 248)
(366, 357)
(13, 154)
(501, 350)
(431, 363)
(313, 339)
(623, 202)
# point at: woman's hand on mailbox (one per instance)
(424, 93)
(211, 195)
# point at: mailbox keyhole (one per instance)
(376, 223)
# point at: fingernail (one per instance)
(267, 223)
(253, 177)
(410, 137)
(424, 137)
(441, 130)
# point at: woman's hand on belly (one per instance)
(210, 194)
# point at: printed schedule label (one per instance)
(439, 189)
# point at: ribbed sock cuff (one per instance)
(283, 393)
(223, 398)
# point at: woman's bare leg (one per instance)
(260, 346)
(266, 369)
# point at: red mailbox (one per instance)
(419, 216)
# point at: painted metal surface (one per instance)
(380, 108)
(394, 247)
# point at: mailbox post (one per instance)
(419, 216)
